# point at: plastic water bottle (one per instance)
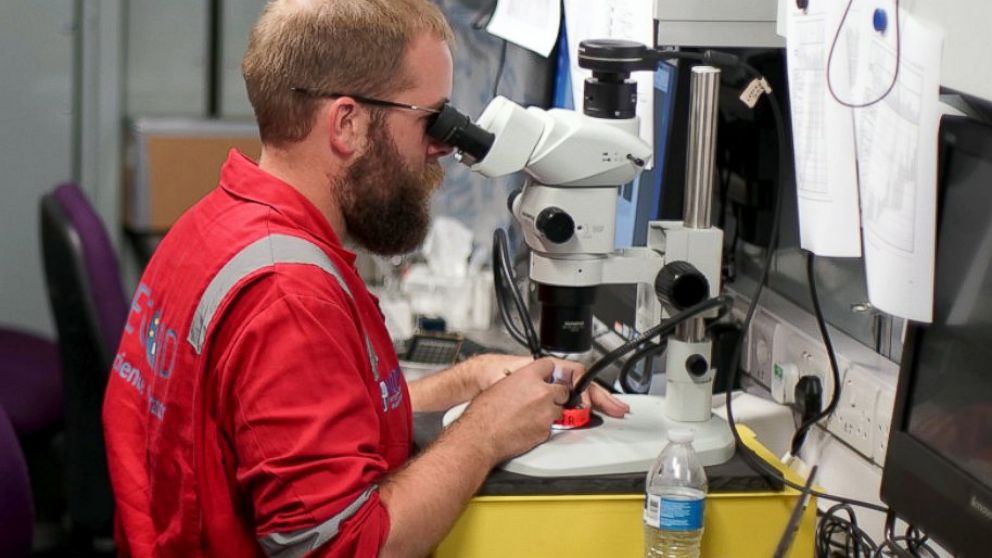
(674, 502)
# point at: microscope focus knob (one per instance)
(680, 285)
(697, 366)
(555, 224)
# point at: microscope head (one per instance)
(575, 163)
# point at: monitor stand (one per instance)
(615, 446)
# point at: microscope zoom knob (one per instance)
(555, 224)
(680, 285)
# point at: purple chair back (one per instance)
(30, 382)
(101, 262)
(16, 509)
(89, 307)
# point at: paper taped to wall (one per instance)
(532, 24)
(897, 158)
(822, 132)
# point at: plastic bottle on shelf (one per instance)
(674, 501)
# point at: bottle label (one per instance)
(671, 514)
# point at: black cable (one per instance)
(501, 288)
(800, 434)
(856, 543)
(506, 283)
(506, 286)
(665, 327)
(504, 312)
(830, 58)
(913, 542)
(499, 69)
(533, 342)
(649, 350)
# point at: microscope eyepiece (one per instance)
(457, 130)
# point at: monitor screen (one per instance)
(938, 472)
(950, 403)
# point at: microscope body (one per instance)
(575, 164)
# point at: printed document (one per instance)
(822, 132)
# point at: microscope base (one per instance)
(627, 445)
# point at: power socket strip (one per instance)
(795, 351)
(760, 339)
(785, 335)
(864, 412)
(853, 421)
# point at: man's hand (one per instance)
(516, 413)
(489, 369)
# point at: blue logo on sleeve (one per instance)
(391, 390)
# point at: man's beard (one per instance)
(385, 204)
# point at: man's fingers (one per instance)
(605, 402)
(543, 368)
(561, 394)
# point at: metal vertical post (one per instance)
(704, 95)
(700, 160)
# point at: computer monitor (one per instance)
(938, 470)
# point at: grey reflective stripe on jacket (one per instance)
(299, 543)
(266, 252)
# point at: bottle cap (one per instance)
(680, 435)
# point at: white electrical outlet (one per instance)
(854, 419)
(760, 338)
(808, 355)
(784, 379)
(883, 420)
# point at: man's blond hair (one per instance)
(334, 46)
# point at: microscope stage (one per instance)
(627, 445)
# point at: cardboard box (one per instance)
(173, 162)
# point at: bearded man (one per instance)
(256, 406)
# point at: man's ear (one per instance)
(347, 126)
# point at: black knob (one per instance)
(696, 365)
(556, 225)
(680, 285)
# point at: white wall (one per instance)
(167, 58)
(965, 64)
(237, 17)
(36, 111)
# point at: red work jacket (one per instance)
(255, 400)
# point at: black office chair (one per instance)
(89, 306)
